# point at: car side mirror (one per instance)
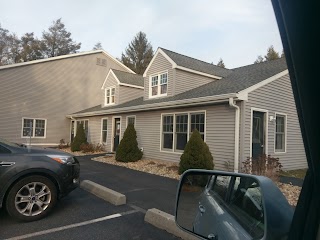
(222, 205)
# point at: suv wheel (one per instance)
(31, 198)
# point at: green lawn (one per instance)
(300, 173)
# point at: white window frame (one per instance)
(161, 133)
(175, 129)
(174, 150)
(105, 96)
(159, 85)
(135, 120)
(101, 139)
(285, 132)
(34, 127)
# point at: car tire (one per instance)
(31, 198)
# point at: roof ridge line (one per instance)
(194, 58)
(264, 62)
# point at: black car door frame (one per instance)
(298, 23)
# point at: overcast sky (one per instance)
(237, 31)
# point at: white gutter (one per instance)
(236, 134)
(161, 105)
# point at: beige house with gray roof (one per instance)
(240, 113)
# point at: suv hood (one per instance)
(45, 151)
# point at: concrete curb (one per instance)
(166, 222)
(106, 194)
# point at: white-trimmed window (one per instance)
(197, 122)
(158, 85)
(109, 96)
(280, 133)
(177, 129)
(104, 130)
(181, 135)
(131, 120)
(167, 131)
(34, 127)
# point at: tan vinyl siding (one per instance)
(277, 97)
(94, 131)
(129, 93)
(160, 64)
(50, 90)
(219, 133)
(185, 81)
(111, 82)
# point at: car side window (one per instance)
(246, 206)
(4, 150)
(220, 186)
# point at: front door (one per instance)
(116, 134)
(258, 134)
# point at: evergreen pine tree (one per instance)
(128, 150)
(79, 139)
(196, 154)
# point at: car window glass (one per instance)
(246, 205)
(4, 150)
(220, 186)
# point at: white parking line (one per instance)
(52, 230)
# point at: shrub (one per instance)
(90, 147)
(196, 154)
(128, 150)
(264, 165)
(79, 138)
(63, 144)
(87, 147)
(99, 148)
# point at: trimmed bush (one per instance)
(63, 144)
(196, 154)
(79, 138)
(128, 150)
(264, 165)
(87, 147)
(91, 147)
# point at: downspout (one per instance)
(236, 134)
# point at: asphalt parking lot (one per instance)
(82, 215)
(141, 189)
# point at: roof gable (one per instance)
(196, 65)
(159, 51)
(190, 64)
(66, 56)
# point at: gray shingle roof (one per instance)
(197, 65)
(129, 78)
(240, 79)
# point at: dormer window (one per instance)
(158, 85)
(109, 96)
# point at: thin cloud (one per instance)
(237, 31)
